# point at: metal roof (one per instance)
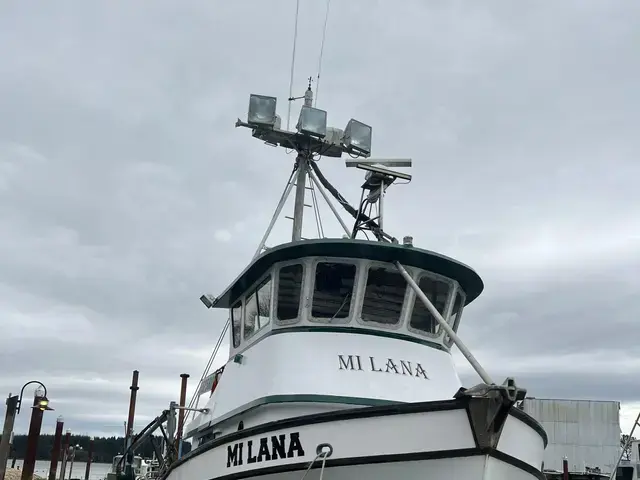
(468, 279)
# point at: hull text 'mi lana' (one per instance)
(265, 450)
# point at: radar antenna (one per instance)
(377, 180)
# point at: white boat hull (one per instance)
(443, 440)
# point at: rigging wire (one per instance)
(208, 367)
(293, 62)
(324, 36)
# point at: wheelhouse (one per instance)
(351, 285)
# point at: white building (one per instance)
(587, 432)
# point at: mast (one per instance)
(302, 161)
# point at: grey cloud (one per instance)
(125, 191)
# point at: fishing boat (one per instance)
(139, 468)
(340, 361)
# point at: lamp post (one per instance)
(14, 402)
(40, 404)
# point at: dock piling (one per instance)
(128, 469)
(87, 470)
(65, 454)
(5, 444)
(55, 451)
(183, 400)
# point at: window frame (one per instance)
(312, 288)
(250, 293)
(240, 301)
(366, 266)
(448, 341)
(417, 277)
(276, 292)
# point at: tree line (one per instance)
(104, 448)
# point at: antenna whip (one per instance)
(293, 62)
(324, 35)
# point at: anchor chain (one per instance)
(324, 451)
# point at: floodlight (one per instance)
(357, 137)
(262, 110)
(208, 300)
(312, 121)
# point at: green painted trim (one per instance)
(468, 279)
(297, 398)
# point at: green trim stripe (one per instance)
(296, 398)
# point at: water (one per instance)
(98, 470)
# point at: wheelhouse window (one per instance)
(437, 291)
(289, 290)
(333, 291)
(383, 296)
(456, 313)
(258, 309)
(236, 323)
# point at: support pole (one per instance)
(73, 458)
(381, 206)
(565, 469)
(276, 214)
(5, 444)
(301, 185)
(445, 326)
(55, 451)
(29, 463)
(183, 399)
(13, 453)
(171, 432)
(87, 470)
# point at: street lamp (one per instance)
(42, 402)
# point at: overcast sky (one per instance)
(126, 192)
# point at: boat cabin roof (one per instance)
(468, 279)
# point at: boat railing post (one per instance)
(445, 326)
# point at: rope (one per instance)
(293, 62)
(324, 35)
(324, 456)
